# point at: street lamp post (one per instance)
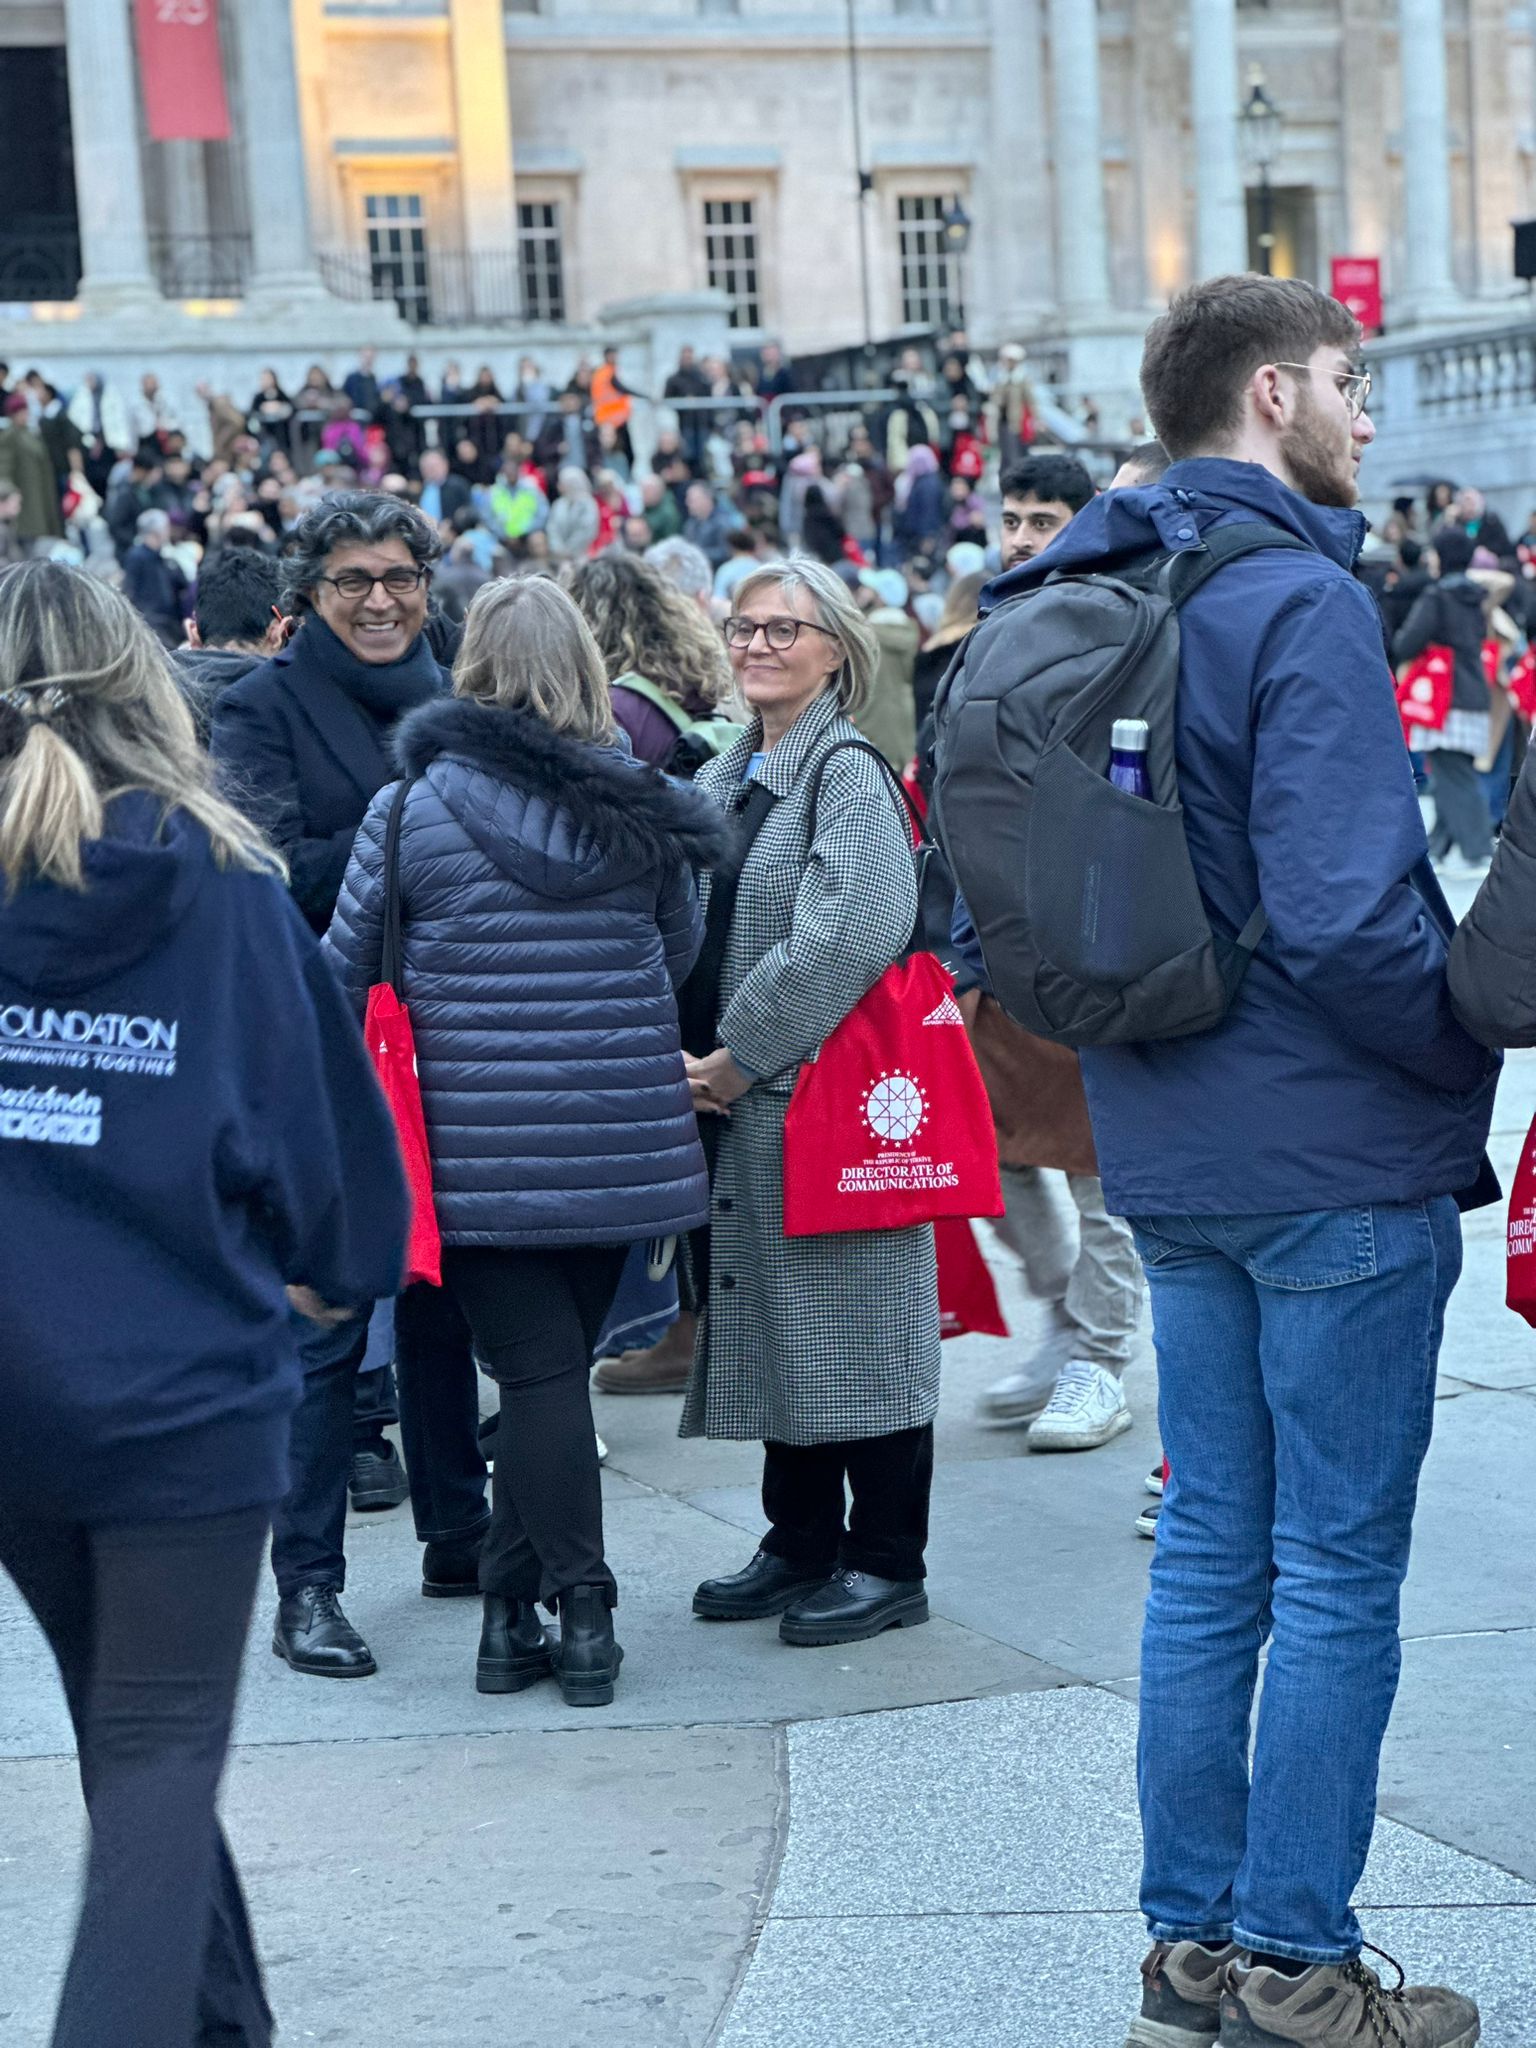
(1259, 124)
(957, 240)
(866, 183)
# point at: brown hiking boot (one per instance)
(664, 1369)
(1341, 2005)
(1181, 1996)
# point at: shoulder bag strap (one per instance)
(652, 693)
(926, 858)
(919, 822)
(390, 962)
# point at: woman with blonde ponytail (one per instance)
(190, 1138)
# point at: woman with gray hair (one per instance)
(551, 913)
(302, 744)
(825, 1348)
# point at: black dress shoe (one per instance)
(767, 1586)
(515, 1651)
(853, 1605)
(587, 1659)
(451, 1571)
(378, 1478)
(314, 1636)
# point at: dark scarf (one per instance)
(698, 1000)
(385, 690)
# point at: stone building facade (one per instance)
(485, 175)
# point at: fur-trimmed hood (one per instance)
(562, 815)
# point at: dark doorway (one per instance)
(39, 227)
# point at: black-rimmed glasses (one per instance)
(1355, 384)
(781, 633)
(399, 581)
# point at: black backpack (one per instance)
(1091, 923)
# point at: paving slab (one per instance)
(1024, 1804)
(1057, 1980)
(677, 1670)
(555, 1889)
(1471, 1539)
(1457, 1762)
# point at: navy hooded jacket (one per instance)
(187, 1122)
(1340, 1075)
(549, 915)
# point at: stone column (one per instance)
(1494, 147)
(109, 177)
(1362, 115)
(485, 156)
(1017, 255)
(1155, 120)
(1425, 291)
(1082, 239)
(1221, 221)
(282, 255)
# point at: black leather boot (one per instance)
(853, 1605)
(767, 1586)
(451, 1571)
(587, 1659)
(378, 1478)
(514, 1648)
(314, 1636)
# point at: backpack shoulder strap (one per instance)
(1187, 572)
(653, 693)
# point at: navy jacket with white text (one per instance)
(187, 1121)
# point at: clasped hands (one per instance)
(716, 1082)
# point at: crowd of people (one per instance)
(534, 473)
(591, 757)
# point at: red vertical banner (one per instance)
(1357, 284)
(182, 70)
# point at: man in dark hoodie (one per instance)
(1452, 612)
(303, 742)
(1292, 1177)
(237, 624)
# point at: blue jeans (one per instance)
(1296, 1363)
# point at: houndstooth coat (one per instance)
(810, 1339)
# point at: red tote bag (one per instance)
(889, 1124)
(1424, 692)
(1520, 1263)
(392, 1048)
(968, 1303)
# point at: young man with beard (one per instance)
(1292, 1177)
(1041, 495)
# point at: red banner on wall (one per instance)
(1357, 284)
(182, 69)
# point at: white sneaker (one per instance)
(1086, 1410)
(1023, 1394)
(602, 1450)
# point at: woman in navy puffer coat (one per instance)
(549, 914)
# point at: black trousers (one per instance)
(439, 1394)
(536, 1317)
(886, 1532)
(1461, 809)
(148, 1623)
(343, 1406)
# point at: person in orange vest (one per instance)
(612, 401)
